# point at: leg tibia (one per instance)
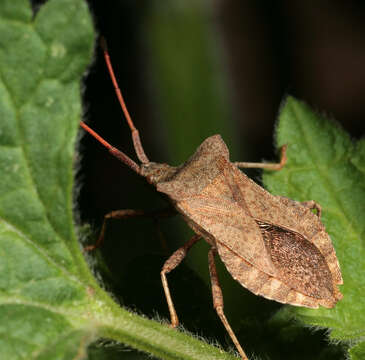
(267, 166)
(126, 214)
(218, 302)
(171, 263)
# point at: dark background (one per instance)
(265, 51)
(249, 55)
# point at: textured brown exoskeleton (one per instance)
(273, 246)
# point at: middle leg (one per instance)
(267, 166)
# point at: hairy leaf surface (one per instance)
(326, 166)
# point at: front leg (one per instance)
(126, 214)
(170, 264)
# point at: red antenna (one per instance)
(135, 134)
(114, 151)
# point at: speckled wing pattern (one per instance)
(273, 246)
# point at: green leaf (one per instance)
(358, 351)
(326, 166)
(50, 304)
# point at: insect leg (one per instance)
(126, 214)
(267, 166)
(311, 204)
(218, 301)
(170, 264)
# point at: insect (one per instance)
(273, 246)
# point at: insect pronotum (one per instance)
(273, 246)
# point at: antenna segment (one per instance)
(135, 134)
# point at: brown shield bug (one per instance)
(273, 246)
